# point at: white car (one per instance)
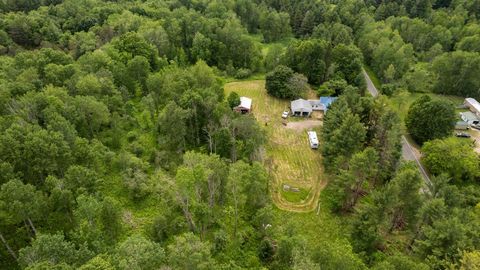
(285, 114)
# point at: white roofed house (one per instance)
(245, 105)
(473, 105)
(470, 118)
(301, 107)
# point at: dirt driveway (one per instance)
(305, 124)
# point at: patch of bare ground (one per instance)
(304, 125)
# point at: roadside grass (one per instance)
(289, 157)
(373, 77)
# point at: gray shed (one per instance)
(461, 125)
(470, 118)
(301, 107)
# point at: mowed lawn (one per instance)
(290, 159)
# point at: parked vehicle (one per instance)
(312, 138)
(285, 114)
(462, 135)
(475, 126)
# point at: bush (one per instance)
(233, 100)
(284, 83)
(388, 89)
(332, 87)
(452, 156)
(243, 73)
(429, 119)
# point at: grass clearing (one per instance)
(290, 159)
(295, 197)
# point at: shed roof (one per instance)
(473, 103)
(245, 102)
(301, 105)
(469, 116)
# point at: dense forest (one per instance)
(119, 148)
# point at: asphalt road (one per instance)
(407, 149)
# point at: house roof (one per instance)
(327, 101)
(245, 102)
(469, 116)
(301, 105)
(474, 103)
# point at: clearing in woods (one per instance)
(289, 158)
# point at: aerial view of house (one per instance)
(302, 107)
(245, 105)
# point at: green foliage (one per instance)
(452, 156)
(233, 100)
(53, 249)
(188, 252)
(333, 87)
(357, 179)
(97, 263)
(470, 260)
(22, 202)
(284, 83)
(383, 48)
(114, 126)
(347, 139)
(137, 252)
(419, 79)
(274, 26)
(447, 236)
(429, 119)
(394, 207)
(455, 73)
(400, 262)
(308, 57)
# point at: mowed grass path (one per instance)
(289, 157)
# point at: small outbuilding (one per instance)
(245, 105)
(301, 107)
(462, 125)
(473, 105)
(470, 118)
(313, 139)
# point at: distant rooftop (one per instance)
(245, 102)
(473, 103)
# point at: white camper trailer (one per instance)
(312, 138)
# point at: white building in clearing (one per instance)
(302, 107)
(470, 118)
(245, 105)
(473, 105)
(312, 138)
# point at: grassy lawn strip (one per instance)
(295, 197)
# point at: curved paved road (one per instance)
(407, 149)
